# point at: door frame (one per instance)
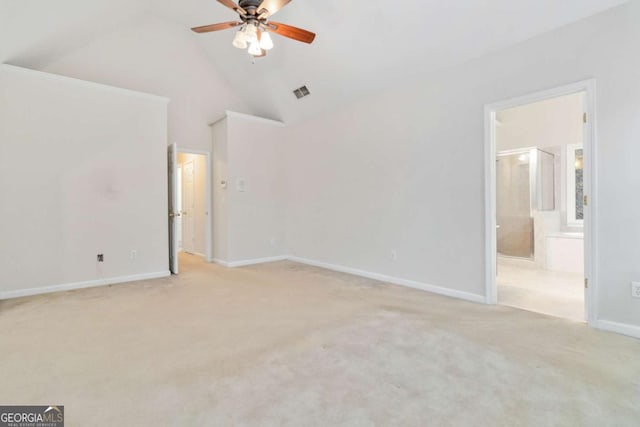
(172, 163)
(590, 188)
(208, 201)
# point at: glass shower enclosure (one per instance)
(525, 182)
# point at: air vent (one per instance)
(301, 92)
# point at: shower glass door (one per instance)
(513, 203)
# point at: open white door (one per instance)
(587, 180)
(174, 213)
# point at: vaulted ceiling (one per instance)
(361, 46)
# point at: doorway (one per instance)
(190, 206)
(539, 223)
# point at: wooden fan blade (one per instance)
(231, 5)
(291, 32)
(272, 6)
(215, 27)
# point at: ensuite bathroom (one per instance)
(540, 206)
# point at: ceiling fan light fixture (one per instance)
(255, 49)
(266, 42)
(254, 22)
(251, 33)
(240, 41)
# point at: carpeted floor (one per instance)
(287, 344)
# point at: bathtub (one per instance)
(565, 252)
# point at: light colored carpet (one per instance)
(287, 344)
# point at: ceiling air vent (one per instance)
(301, 92)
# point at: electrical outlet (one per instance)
(635, 289)
(394, 254)
(273, 242)
(100, 257)
(134, 255)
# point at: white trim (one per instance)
(620, 328)
(82, 285)
(248, 117)
(394, 280)
(590, 186)
(244, 263)
(591, 212)
(192, 151)
(362, 273)
(491, 246)
(13, 68)
(208, 200)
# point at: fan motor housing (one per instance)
(249, 4)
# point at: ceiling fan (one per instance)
(256, 26)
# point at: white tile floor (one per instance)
(522, 285)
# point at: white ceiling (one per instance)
(34, 32)
(361, 46)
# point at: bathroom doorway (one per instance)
(540, 237)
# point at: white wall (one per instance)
(82, 171)
(250, 149)
(219, 191)
(404, 169)
(155, 56)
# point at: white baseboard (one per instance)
(247, 262)
(220, 262)
(620, 328)
(395, 280)
(81, 285)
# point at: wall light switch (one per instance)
(635, 289)
(241, 185)
(223, 184)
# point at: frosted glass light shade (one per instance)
(251, 34)
(240, 40)
(254, 49)
(266, 42)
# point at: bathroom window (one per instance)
(575, 185)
